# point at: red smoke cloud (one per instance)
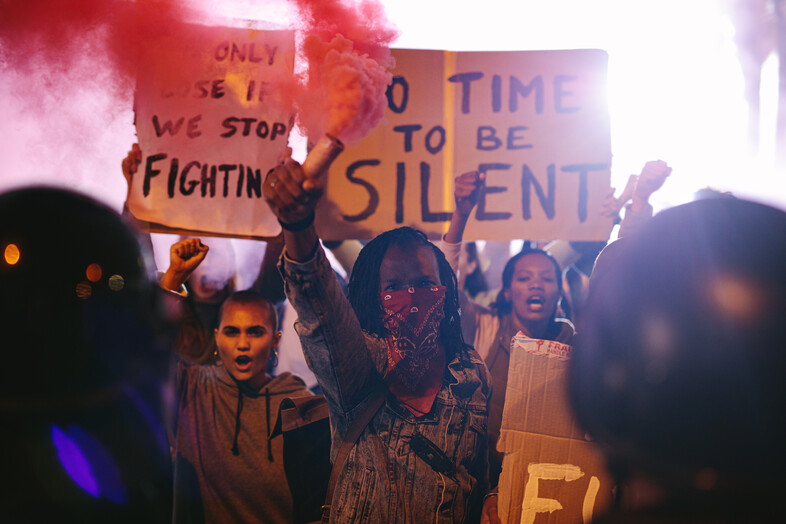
(60, 33)
(67, 77)
(346, 46)
(347, 50)
(68, 72)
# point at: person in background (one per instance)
(575, 258)
(211, 283)
(83, 384)
(527, 303)
(405, 393)
(228, 466)
(578, 258)
(678, 372)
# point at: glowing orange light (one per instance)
(736, 298)
(93, 272)
(84, 290)
(11, 254)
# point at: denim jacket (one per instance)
(388, 477)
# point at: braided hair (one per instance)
(364, 286)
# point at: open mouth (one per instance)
(536, 302)
(243, 362)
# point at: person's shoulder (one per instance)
(566, 331)
(289, 384)
(195, 370)
(202, 381)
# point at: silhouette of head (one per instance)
(81, 386)
(679, 365)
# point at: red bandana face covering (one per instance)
(413, 317)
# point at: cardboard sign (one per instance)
(210, 126)
(550, 472)
(535, 122)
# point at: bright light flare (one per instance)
(11, 254)
(74, 461)
(93, 272)
(736, 298)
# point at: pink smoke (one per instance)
(62, 33)
(68, 73)
(345, 44)
(348, 55)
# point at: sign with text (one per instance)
(550, 472)
(210, 124)
(535, 122)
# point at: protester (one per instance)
(527, 303)
(576, 258)
(228, 466)
(210, 284)
(678, 370)
(408, 398)
(81, 391)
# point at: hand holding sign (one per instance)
(130, 166)
(131, 163)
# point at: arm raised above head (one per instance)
(466, 192)
(184, 257)
(293, 198)
(335, 346)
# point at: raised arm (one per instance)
(467, 187)
(466, 192)
(293, 199)
(334, 344)
(130, 165)
(268, 282)
(189, 338)
(652, 177)
(184, 257)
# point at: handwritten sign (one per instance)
(536, 122)
(210, 125)
(550, 472)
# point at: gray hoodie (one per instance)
(226, 468)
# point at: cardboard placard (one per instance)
(211, 129)
(536, 122)
(550, 472)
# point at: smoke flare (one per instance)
(347, 51)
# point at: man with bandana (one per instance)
(404, 390)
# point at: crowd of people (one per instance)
(133, 396)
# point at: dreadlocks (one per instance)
(364, 286)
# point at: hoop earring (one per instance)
(274, 358)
